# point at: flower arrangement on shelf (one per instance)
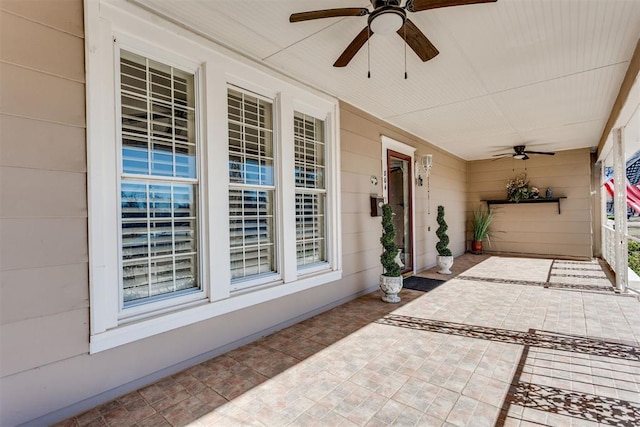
(518, 188)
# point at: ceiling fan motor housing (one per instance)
(387, 17)
(380, 3)
(519, 149)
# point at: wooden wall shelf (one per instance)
(526, 201)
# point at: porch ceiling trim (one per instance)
(621, 99)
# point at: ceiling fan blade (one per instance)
(503, 155)
(418, 41)
(418, 5)
(547, 153)
(353, 48)
(328, 13)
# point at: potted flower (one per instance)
(391, 279)
(480, 222)
(518, 188)
(444, 258)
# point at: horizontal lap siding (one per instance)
(43, 206)
(43, 175)
(24, 140)
(538, 229)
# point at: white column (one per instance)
(604, 236)
(620, 208)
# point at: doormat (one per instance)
(423, 284)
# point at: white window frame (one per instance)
(274, 277)
(135, 311)
(323, 265)
(145, 34)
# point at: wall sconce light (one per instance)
(423, 167)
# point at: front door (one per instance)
(399, 175)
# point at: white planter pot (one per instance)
(444, 264)
(391, 287)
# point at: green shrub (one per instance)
(388, 257)
(634, 256)
(441, 232)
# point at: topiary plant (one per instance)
(390, 252)
(441, 232)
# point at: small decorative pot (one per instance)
(444, 264)
(391, 287)
(476, 247)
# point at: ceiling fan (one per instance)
(520, 153)
(386, 17)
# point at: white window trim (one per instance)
(137, 311)
(275, 277)
(310, 110)
(219, 67)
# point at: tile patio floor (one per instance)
(509, 341)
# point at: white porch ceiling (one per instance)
(543, 73)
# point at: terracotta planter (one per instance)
(476, 247)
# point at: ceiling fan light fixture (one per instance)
(387, 20)
(519, 156)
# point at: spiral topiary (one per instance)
(388, 257)
(441, 232)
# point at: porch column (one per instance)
(605, 247)
(620, 209)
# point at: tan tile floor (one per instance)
(509, 341)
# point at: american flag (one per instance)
(632, 172)
(633, 194)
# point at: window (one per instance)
(158, 184)
(212, 183)
(251, 186)
(310, 190)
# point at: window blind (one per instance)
(309, 149)
(158, 186)
(251, 185)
